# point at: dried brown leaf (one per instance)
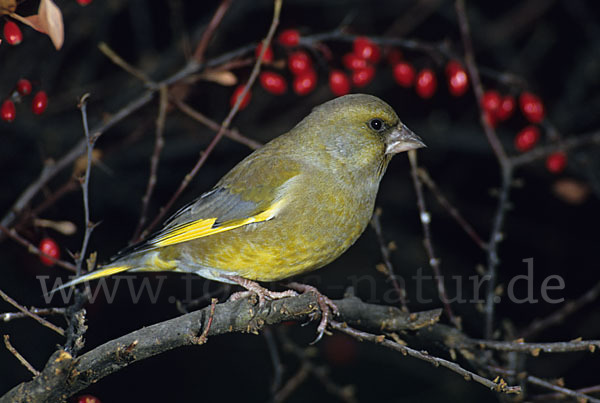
(52, 18)
(48, 21)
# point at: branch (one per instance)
(65, 375)
(498, 386)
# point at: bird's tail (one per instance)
(103, 272)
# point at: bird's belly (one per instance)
(273, 250)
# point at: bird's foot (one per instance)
(253, 287)
(326, 306)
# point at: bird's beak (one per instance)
(402, 139)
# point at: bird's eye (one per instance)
(376, 124)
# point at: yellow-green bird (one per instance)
(290, 207)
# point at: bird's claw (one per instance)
(326, 306)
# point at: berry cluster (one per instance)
(8, 111)
(498, 108)
(359, 70)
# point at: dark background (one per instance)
(553, 45)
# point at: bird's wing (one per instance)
(249, 193)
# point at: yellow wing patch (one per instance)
(201, 228)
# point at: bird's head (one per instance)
(359, 129)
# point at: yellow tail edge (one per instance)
(109, 271)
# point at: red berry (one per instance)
(87, 399)
(8, 111)
(39, 103)
(458, 81)
(299, 62)
(362, 77)
(426, 83)
(267, 57)
(50, 248)
(353, 62)
(305, 82)
(236, 93)
(84, 2)
(289, 37)
(527, 138)
(532, 107)
(273, 82)
(394, 56)
(339, 83)
(507, 107)
(404, 74)
(366, 49)
(491, 102)
(556, 162)
(24, 86)
(12, 33)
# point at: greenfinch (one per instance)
(290, 207)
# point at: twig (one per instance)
(66, 188)
(275, 359)
(320, 372)
(385, 253)
(91, 140)
(210, 30)
(8, 316)
(13, 234)
(32, 315)
(547, 385)
(21, 359)
(224, 125)
(561, 314)
(499, 386)
(453, 211)
(534, 380)
(119, 61)
(211, 124)
(536, 348)
(557, 396)
(492, 256)
(154, 159)
(425, 216)
(505, 166)
(293, 383)
(490, 133)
